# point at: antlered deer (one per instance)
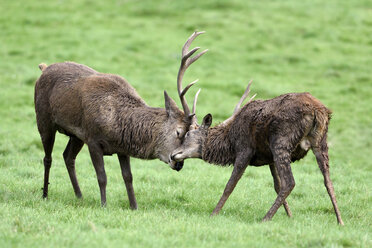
(275, 132)
(105, 112)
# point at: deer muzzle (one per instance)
(175, 165)
(178, 166)
(177, 156)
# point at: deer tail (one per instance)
(42, 66)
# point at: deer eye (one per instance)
(179, 133)
(187, 134)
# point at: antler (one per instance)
(237, 107)
(244, 96)
(185, 63)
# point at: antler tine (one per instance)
(192, 116)
(192, 60)
(244, 96)
(188, 87)
(195, 100)
(237, 107)
(190, 40)
(252, 98)
(186, 61)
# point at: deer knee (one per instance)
(322, 159)
(127, 176)
(287, 185)
(47, 161)
(277, 188)
(102, 181)
(291, 184)
(69, 162)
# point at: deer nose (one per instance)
(178, 166)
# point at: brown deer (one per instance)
(105, 112)
(274, 132)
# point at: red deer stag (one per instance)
(105, 112)
(275, 132)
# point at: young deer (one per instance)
(105, 112)
(275, 132)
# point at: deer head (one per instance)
(171, 132)
(193, 142)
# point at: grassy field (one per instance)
(323, 47)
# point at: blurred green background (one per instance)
(322, 47)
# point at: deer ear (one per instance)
(170, 105)
(207, 121)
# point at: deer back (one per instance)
(91, 105)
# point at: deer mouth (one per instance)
(175, 165)
(178, 166)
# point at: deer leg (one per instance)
(323, 163)
(72, 149)
(128, 179)
(239, 167)
(96, 155)
(276, 178)
(282, 164)
(47, 139)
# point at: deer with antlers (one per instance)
(274, 132)
(105, 112)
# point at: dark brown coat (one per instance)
(106, 113)
(275, 132)
(265, 122)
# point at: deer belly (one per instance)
(71, 131)
(261, 158)
(264, 157)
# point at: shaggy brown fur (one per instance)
(106, 113)
(275, 132)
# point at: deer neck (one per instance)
(217, 147)
(142, 131)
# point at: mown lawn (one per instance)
(323, 47)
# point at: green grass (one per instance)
(323, 47)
